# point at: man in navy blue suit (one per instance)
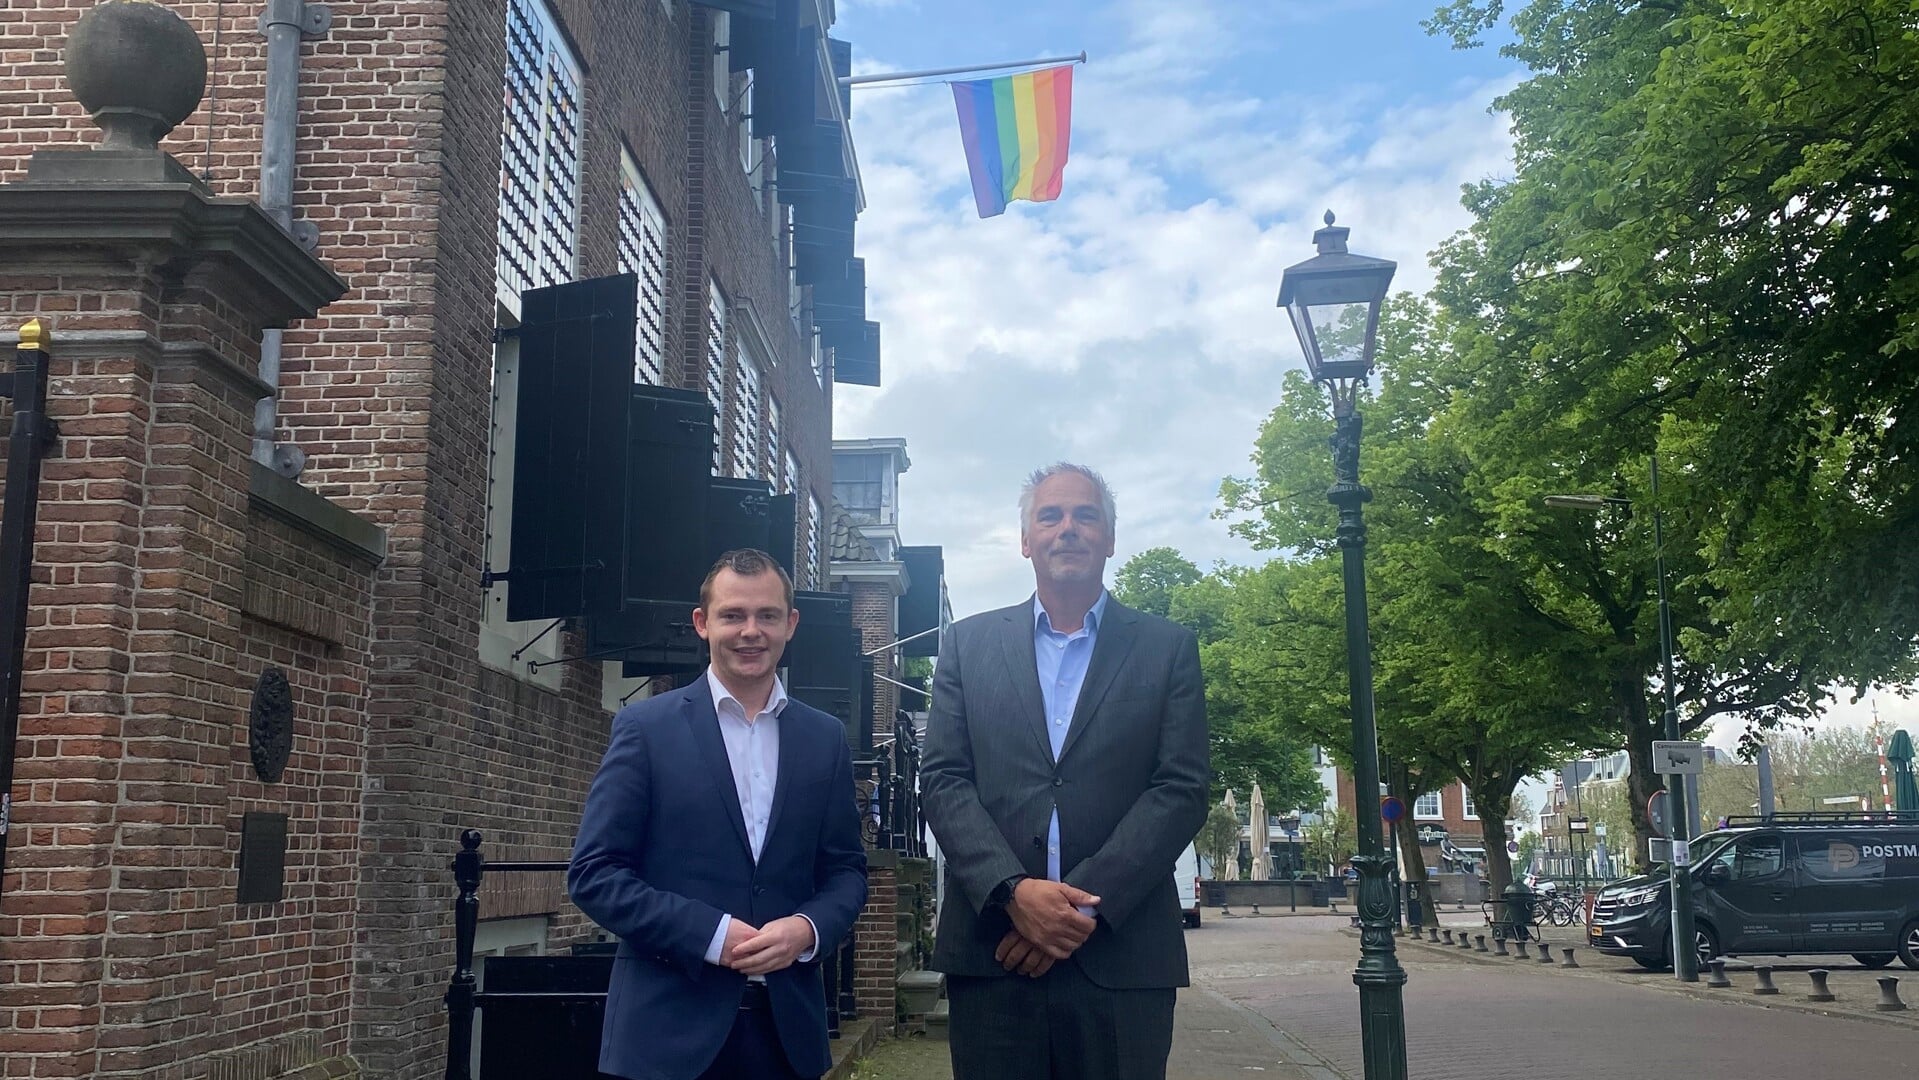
(721, 843)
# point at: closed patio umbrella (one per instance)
(1229, 872)
(1262, 840)
(1905, 789)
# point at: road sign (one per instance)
(1671, 758)
(1656, 813)
(1512, 847)
(1392, 808)
(1578, 824)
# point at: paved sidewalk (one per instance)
(1855, 988)
(1214, 1038)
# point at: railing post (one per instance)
(468, 865)
(849, 994)
(831, 972)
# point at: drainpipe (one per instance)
(284, 22)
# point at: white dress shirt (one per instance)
(1062, 660)
(753, 752)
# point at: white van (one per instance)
(1186, 882)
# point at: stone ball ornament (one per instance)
(138, 69)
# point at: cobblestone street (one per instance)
(1513, 1020)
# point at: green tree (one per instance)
(1218, 839)
(1474, 678)
(1331, 842)
(1149, 580)
(1709, 251)
(1248, 743)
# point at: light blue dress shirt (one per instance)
(753, 751)
(1062, 660)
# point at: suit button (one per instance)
(1038, 843)
(759, 890)
(1057, 782)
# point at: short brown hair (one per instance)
(746, 562)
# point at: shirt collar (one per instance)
(1043, 623)
(775, 702)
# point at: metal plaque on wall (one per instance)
(263, 858)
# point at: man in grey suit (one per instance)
(1065, 770)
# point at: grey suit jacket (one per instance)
(1130, 783)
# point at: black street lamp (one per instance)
(1334, 299)
(1685, 947)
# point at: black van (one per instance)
(1799, 883)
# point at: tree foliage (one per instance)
(1218, 839)
(1248, 743)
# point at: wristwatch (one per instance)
(1002, 893)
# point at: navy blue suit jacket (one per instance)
(663, 852)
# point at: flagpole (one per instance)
(902, 76)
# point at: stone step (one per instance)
(936, 1022)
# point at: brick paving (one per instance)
(1469, 1020)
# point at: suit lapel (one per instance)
(1022, 672)
(705, 724)
(1110, 649)
(789, 765)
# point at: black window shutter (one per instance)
(569, 461)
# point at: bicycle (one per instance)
(1557, 909)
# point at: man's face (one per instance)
(1067, 537)
(746, 623)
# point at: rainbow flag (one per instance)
(1016, 128)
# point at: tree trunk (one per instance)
(1642, 727)
(1412, 860)
(1499, 864)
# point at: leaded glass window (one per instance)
(642, 245)
(539, 219)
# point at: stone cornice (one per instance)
(890, 573)
(179, 222)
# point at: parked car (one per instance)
(1186, 880)
(1788, 884)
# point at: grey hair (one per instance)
(1041, 475)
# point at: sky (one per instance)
(1131, 325)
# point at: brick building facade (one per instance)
(448, 156)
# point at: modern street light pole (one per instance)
(1334, 300)
(1685, 948)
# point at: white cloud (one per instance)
(1130, 325)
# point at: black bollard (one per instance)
(1568, 961)
(1447, 935)
(1545, 953)
(1499, 946)
(1480, 939)
(1889, 995)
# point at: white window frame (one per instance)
(747, 448)
(815, 540)
(499, 638)
(1468, 809)
(642, 217)
(722, 64)
(547, 200)
(523, 936)
(1438, 811)
(716, 377)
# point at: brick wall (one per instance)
(388, 392)
(121, 950)
(875, 613)
(876, 939)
